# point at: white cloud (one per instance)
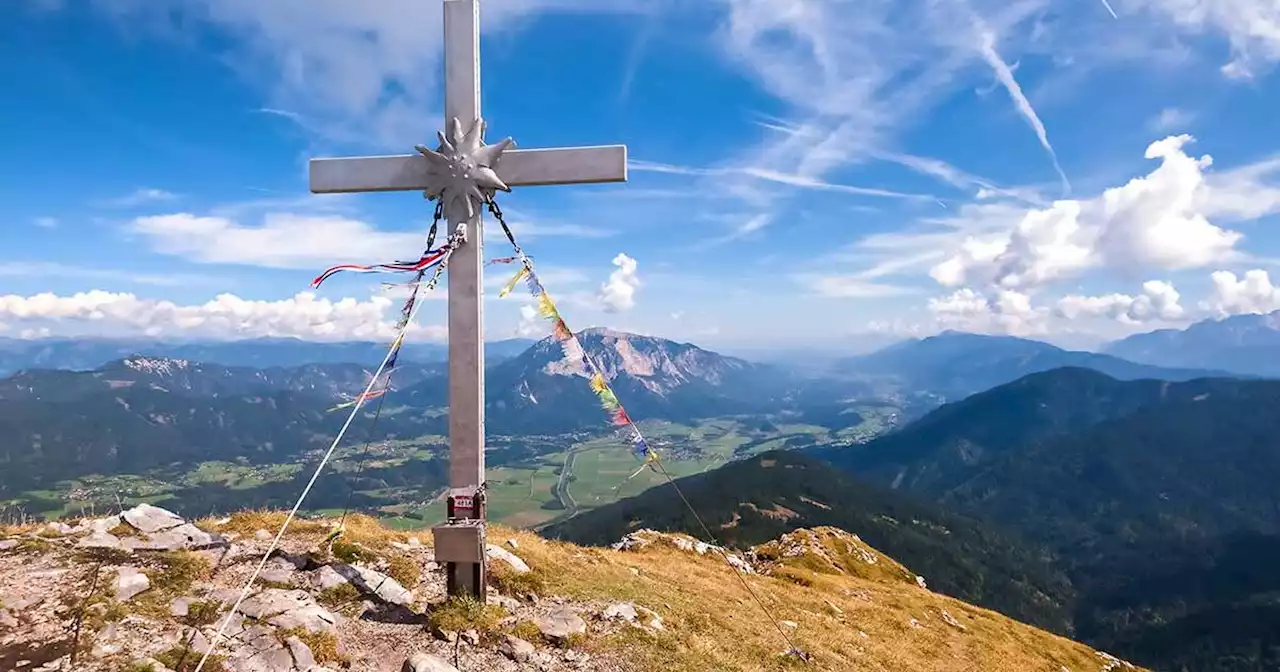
(987, 46)
(1157, 221)
(1251, 294)
(1005, 312)
(139, 197)
(46, 222)
(531, 325)
(855, 286)
(311, 241)
(283, 240)
(226, 316)
(1251, 26)
(619, 292)
(1158, 302)
(1171, 119)
(1246, 193)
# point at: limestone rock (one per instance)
(7, 620)
(302, 656)
(278, 570)
(180, 607)
(471, 637)
(367, 581)
(559, 625)
(426, 662)
(257, 649)
(951, 620)
(99, 539)
(8, 544)
(633, 614)
(179, 537)
(287, 609)
(508, 603)
(130, 583)
(516, 649)
(150, 519)
(498, 553)
(107, 643)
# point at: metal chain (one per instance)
(497, 214)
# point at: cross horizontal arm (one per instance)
(518, 168)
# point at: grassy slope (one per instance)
(715, 625)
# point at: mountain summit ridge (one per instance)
(556, 607)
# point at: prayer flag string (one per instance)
(437, 259)
(572, 346)
(429, 259)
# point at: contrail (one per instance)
(1108, 6)
(1005, 75)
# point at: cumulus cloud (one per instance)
(1157, 302)
(1252, 294)
(618, 294)
(1156, 221)
(531, 324)
(225, 317)
(1004, 312)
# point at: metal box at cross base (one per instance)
(460, 545)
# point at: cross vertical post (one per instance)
(466, 308)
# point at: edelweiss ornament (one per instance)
(460, 173)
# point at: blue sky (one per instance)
(804, 172)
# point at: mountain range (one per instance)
(1242, 344)
(90, 353)
(953, 365)
(1156, 500)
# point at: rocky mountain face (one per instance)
(545, 390)
(1136, 486)
(1242, 344)
(953, 365)
(147, 590)
(88, 353)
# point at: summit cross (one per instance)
(462, 172)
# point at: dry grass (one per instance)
(463, 613)
(714, 624)
(182, 659)
(324, 645)
(404, 569)
(246, 523)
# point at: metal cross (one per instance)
(463, 171)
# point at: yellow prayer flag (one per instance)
(512, 284)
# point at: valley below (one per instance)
(533, 480)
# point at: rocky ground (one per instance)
(146, 590)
